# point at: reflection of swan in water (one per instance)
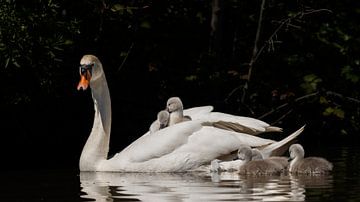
(180, 147)
(109, 186)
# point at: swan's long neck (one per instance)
(298, 158)
(97, 146)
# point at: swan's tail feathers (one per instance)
(273, 129)
(279, 148)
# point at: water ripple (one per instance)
(198, 187)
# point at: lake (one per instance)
(71, 185)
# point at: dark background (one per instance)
(305, 69)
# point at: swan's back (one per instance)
(312, 165)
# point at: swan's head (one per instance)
(296, 150)
(174, 104)
(256, 155)
(90, 69)
(163, 118)
(244, 153)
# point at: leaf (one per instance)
(129, 10)
(311, 82)
(323, 100)
(349, 74)
(334, 111)
(328, 111)
(339, 113)
(191, 78)
(145, 24)
(117, 7)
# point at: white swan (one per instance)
(181, 147)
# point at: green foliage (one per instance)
(311, 83)
(349, 74)
(334, 111)
(308, 47)
(33, 39)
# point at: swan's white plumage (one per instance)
(180, 147)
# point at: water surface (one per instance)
(71, 185)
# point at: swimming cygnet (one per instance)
(308, 165)
(175, 108)
(282, 160)
(161, 121)
(259, 166)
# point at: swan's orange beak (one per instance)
(84, 81)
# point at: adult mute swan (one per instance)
(181, 147)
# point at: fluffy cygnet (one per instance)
(308, 165)
(161, 121)
(257, 166)
(175, 108)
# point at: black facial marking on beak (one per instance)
(86, 68)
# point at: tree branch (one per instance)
(127, 54)
(288, 103)
(255, 51)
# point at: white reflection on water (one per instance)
(103, 186)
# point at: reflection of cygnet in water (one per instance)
(161, 121)
(309, 165)
(257, 167)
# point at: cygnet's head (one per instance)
(163, 118)
(90, 69)
(256, 154)
(174, 104)
(244, 153)
(296, 150)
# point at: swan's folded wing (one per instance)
(251, 124)
(160, 143)
(280, 147)
(210, 143)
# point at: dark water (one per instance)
(70, 185)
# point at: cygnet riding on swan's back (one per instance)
(309, 165)
(219, 120)
(177, 148)
(161, 121)
(175, 107)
